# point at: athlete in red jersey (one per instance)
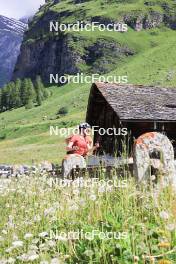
(82, 143)
(78, 147)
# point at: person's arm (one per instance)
(70, 146)
(96, 146)
(91, 147)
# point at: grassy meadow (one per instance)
(44, 221)
(25, 134)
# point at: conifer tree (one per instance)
(28, 93)
(8, 103)
(39, 90)
(3, 98)
(14, 94)
(11, 93)
(31, 92)
(30, 104)
(24, 91)
(1, 107)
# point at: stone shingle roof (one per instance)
(138, 102)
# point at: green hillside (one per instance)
(109, 8)
(24, 134)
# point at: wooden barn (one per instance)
(138, 108)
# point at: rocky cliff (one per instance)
(11, 35)
(44, 52)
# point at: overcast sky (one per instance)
(19, 8)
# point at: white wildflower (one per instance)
(102, 189)
(93, 197)
(1, 239)
(43, 247)
(23, 257)
(28, 236)
(35, 241)
(9, 250)
(51, 243)
(171, 227)
(57, 205)
(49, 211)
(15, 237)
(73, 207)
(82, 202)
(55, 261)
(4, 232)
(33, 247)
(33, 257)
(88, 253)
(76, 192)
(164, 215)
(17, 244)
(53, 219)
(11, 260)
(37, 218)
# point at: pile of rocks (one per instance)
(18, 170)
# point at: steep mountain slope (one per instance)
(11, 35)
(44, 52)
(25, 19)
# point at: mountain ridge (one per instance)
(11, 35)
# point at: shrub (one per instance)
(3, 136)
(29, 105)
(63, 111)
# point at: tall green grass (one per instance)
(33, 211)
